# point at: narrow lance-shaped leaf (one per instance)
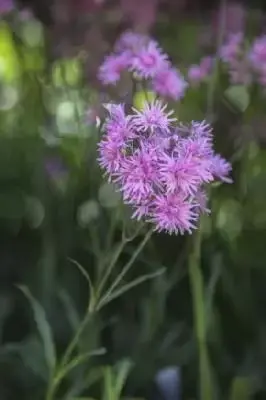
(43, 327)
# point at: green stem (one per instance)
(113, 262)
(110, 267)
(197, 289)
(126, 268)
(54, 381)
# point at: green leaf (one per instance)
(43, 328)
(241, 388)
(124, 368)
(88, 279)
(31, 353)
(109, 393)
(238, 97)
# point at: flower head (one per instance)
(160, 166)
(153, 116)
(160, 170)
(148, 60)
(168, 82)
(118, 125)
(174, 213)
(111, 154)
(139, 175)
(112, 67)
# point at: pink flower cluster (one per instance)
(233, 54)
(143, 57)
(161, 167)
(245, 65)
(257, 59)
(198, 73)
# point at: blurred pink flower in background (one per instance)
(6, 6)
(141, 13)
(200, 72)
(234, 16)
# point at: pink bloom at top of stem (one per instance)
(153, 116)
(148, 60)
(198, 148)
(173, 213)
(184, 173)
(118, 125)
(168, 82)
(138, 175)
(111, 154)
(112, 67)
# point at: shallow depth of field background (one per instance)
(57, 210)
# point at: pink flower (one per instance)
(183, 174)
(112, 67)
(111, 155)
(118, 125)
(139, 175)
(160, 170)
(173, 213)
(153, 116)
(168, 82)
(148, 60)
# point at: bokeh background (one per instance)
(56, 209)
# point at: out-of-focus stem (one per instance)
(197, 289)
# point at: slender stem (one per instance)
(126, 268)
(197, 289)
(76, 337)
(111, 266)
(54, 379)
(116, 255)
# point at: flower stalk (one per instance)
(206, 390)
